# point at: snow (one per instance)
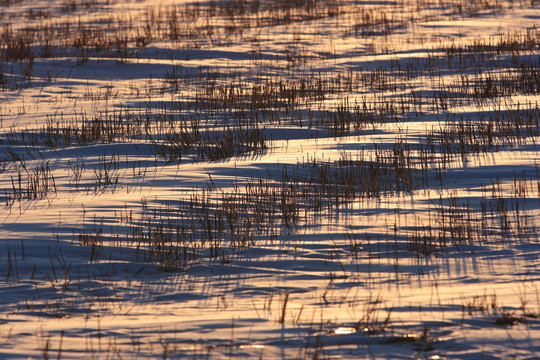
(441, 261)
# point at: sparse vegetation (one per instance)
(261, 169)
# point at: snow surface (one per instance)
(341, 283)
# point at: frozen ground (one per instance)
(253, 179)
